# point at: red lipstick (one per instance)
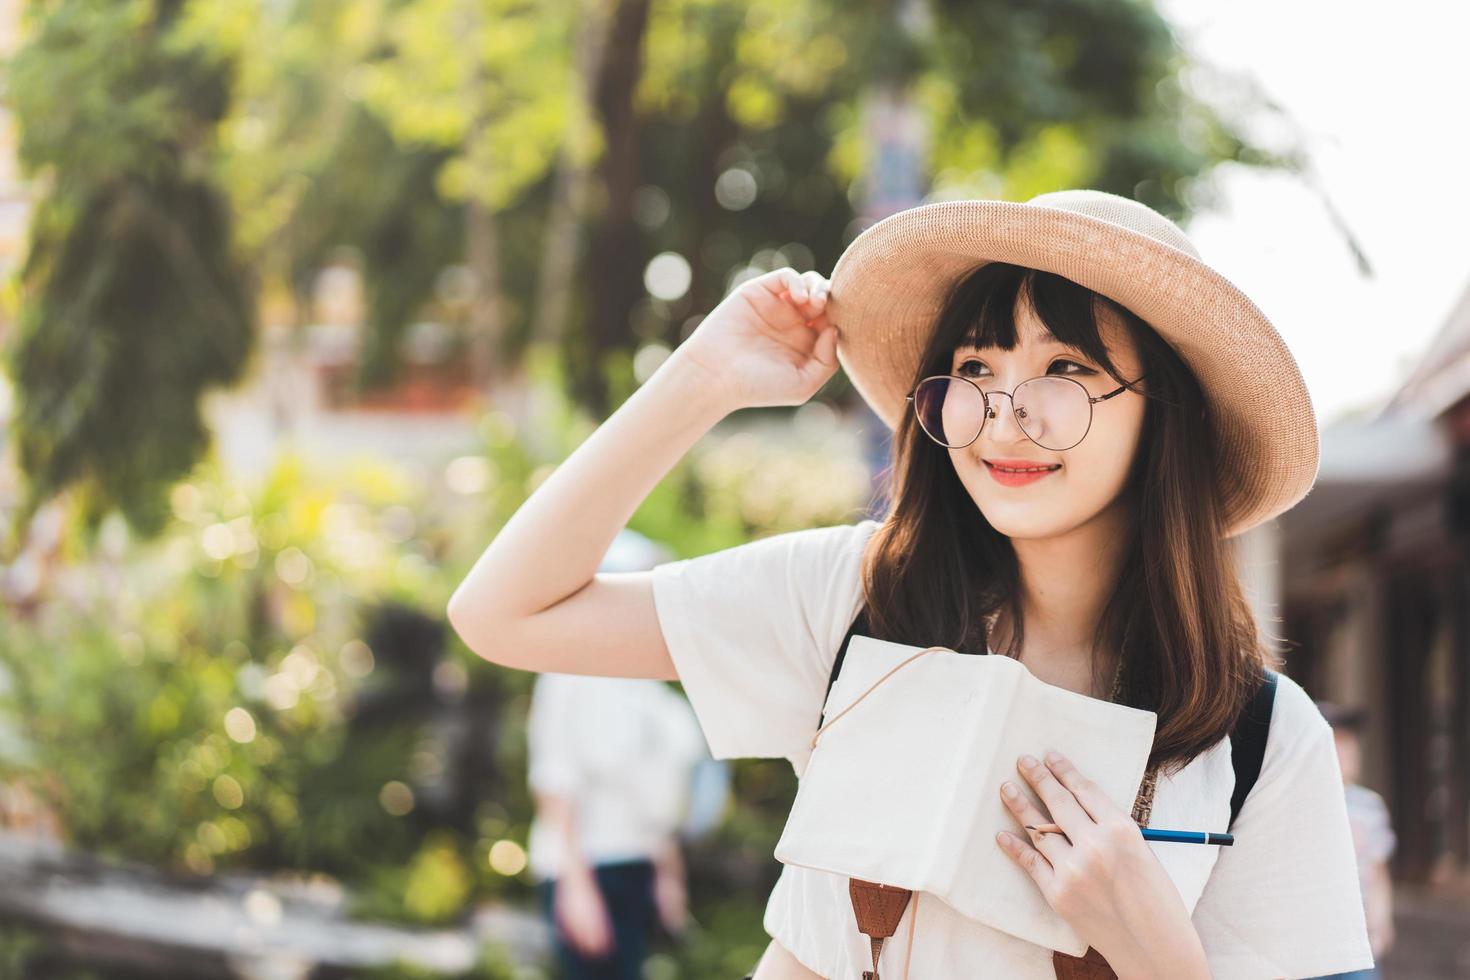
(1018, 472)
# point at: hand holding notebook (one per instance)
(904, 788)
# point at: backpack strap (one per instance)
(1248, 742)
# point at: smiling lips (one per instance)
(1018, 472)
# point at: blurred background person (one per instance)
(1373, 836)
(611, 764)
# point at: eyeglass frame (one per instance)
(989, 416)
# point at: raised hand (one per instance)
(768, 342)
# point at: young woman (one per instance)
(1084, 412)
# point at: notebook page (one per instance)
(882, 781)
(904, 789)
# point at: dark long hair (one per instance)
(936, 570)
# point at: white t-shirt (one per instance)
(621, 749)
(753, 632)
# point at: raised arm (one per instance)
(534, 600)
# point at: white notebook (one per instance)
(905, 788)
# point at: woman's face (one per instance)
(1087, 479)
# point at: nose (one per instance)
(1001, 424)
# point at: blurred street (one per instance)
(1433, 930)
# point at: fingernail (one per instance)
(1055, 758)
(1028, 762)
(1008, 789)
(1003, 838)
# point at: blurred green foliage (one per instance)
(225, 666)
(220, 664)
(133, 297)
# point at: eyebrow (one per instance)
(1049, 342)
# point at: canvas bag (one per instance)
(878, 907)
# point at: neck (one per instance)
(1065, 582)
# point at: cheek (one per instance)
(1105, 457)
(1114, 443)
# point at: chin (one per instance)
(1037, 520)
(1044, 516)
(1024, 527)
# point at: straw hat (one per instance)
(890, 284)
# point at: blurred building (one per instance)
(1375, 573)
(303, 391)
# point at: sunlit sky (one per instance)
(1380, 93)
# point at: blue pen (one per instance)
(1152, 833)
(1188, 836)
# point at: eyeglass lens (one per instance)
(1054, 413)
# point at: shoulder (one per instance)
(1298, 731)
(780, 588)
(842, 542)
(1294, 713)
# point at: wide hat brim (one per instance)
(889, 286)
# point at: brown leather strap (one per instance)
(1088, 966)
(878, 909)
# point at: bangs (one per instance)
(982, 312)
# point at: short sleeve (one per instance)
(1284, 901)
(552, 762)
(753, 631)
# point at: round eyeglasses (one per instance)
(1054, 412)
